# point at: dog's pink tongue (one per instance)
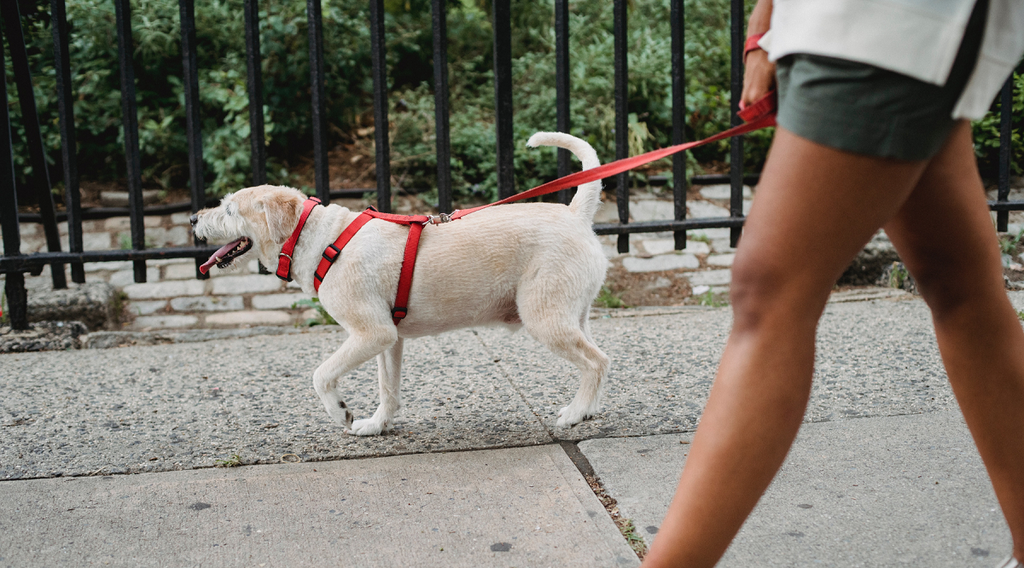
(218, 256)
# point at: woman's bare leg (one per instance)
(944, 235)
(818, 205)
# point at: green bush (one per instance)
(986, 134)
(285, 67)
(220, 40)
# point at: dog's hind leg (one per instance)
(389, 374)
(360, 347)
(571, 341)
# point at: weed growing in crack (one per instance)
(234, 461)
(322, 318)
(608, 299)
(709, 299)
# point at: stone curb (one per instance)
(109, 339)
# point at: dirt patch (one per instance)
(662, 288)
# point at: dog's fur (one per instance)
(537, 265)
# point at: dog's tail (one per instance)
(588, 196)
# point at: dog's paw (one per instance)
(571, 416)
(367, 427)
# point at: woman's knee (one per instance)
(770, 293)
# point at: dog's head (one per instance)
(261, 217)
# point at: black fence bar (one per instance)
(562, 108)
(736, 142)
(665, 226)
(254, 84)
(442, 130)
(316, 84)
(380, 105)
(34, 262)
(678, 118)
(999, 206)
(502, 26)
(130, 122)
(40, 178)
(193, 127)
(621, 118)
(66, 110)
(14, 283)
(1005, 134)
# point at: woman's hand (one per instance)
(758, 77)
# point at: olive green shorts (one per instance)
(867, 110)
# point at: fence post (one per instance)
(502, 13)
(193, 127)
(621, 118)
(562, 107)
(443, 145)
(736, 142)
(33, 136)
(314, 17)
(65, 106)
(380, 105)
(678, 118)
(130, 122)
(254, 83)
(1005, 147)
(14, 282)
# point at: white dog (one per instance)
(537, 265)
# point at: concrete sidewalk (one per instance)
(884, 472)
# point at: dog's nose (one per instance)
(193, 219)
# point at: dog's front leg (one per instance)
(389, 374)
(357, 349)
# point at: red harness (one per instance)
(757, 116)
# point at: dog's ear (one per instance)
(281, 213)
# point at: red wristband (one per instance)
(751, 45)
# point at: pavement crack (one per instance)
(501, 369)
(625, 526)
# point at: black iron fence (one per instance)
(14, 264)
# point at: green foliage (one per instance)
(986, 134)
(898, 275)
(608, 299)
(1008, 244)
(224, 108)
(322, 318)
(592, 105)
(5, 316)
(234, 461)
(711, 300)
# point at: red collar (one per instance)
(284, 259)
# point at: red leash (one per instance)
(757, 116)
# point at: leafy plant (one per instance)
(635, 541)
(5, 316)
(1008, 244)
(700, 238)
(608, 299)
(986, 133)
(234, 461)
(898, 275)
(711, 300)
(322, 317)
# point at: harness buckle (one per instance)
(334, 256)
(438, 219)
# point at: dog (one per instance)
(532, 265)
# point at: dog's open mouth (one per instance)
(227, 253)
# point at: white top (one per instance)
(918, 38)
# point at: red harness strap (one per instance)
(415, 222)
(284, 259)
